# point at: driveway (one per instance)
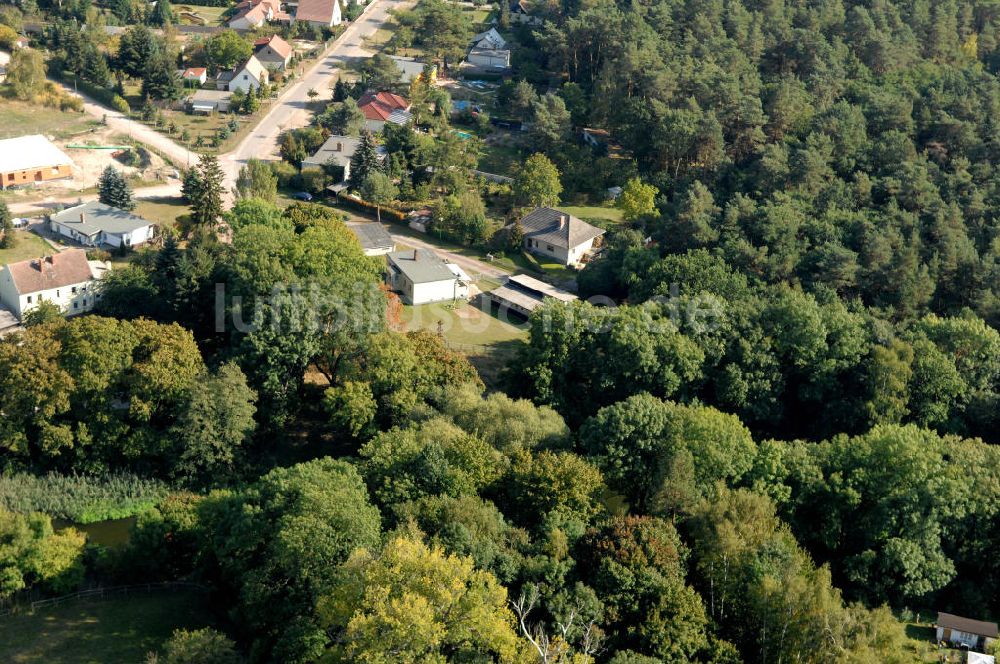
(291, 110)
(474, 267)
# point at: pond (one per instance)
(113, 533)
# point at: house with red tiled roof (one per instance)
(273, 52)
(252, 14)
(382, 107)
(195, 75)
(66, 278)
(324, 13)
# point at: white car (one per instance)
(21, 222)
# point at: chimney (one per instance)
(414, 254)
(340, 146)
(81, 217)
(562, 221)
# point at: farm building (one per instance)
(66, 278)
(28, 159)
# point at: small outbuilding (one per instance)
(972, 634)
(209, 101)
(420, 276)
(523, 294)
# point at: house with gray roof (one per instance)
(421, 276)
(337, 152)
(556, 234)
(374, 239)
(95, 224)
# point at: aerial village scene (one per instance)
(510, 331)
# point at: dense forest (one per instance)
(770, 436)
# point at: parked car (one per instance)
(302, 196)
(20, 222)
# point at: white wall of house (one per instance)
(480, 59)
(71, 233)
(565, 256)
(136, 237)
(438, 291)
(244, 81)
(76, 299)
(8, 294)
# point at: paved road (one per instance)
(472, 266)
(291, 110)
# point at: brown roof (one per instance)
(277, 44)
(320, 11)
(66, 268)
(978, 627)
(559, 228)
(380, 105)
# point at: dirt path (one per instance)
(159, 191)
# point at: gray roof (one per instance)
(337, 149)
(213, 96)
(977, 627)
(558, 228)
(409, 67)
(421, 266)
(91, 218)
(372, 236)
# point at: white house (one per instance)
(273, 52)
(559, 235)
(195, 75)
(338, 151)
(252, 14)
(250, 76)
(490, 39)
(420, 276)
(95, 224)
(67, 278)
(324, 13)
(973, 634)
(489, 50)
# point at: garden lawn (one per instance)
(20, 118)
(28, 246)
(120, 629)
(595, 214)
(464, 326)
(499, 159)
(162, 211)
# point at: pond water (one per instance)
(113, 533)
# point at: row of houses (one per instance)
(271, 54)
(253, 14)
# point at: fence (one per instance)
(102, 593)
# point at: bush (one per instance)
(285, 172)
(80, 498)
(98, 255)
